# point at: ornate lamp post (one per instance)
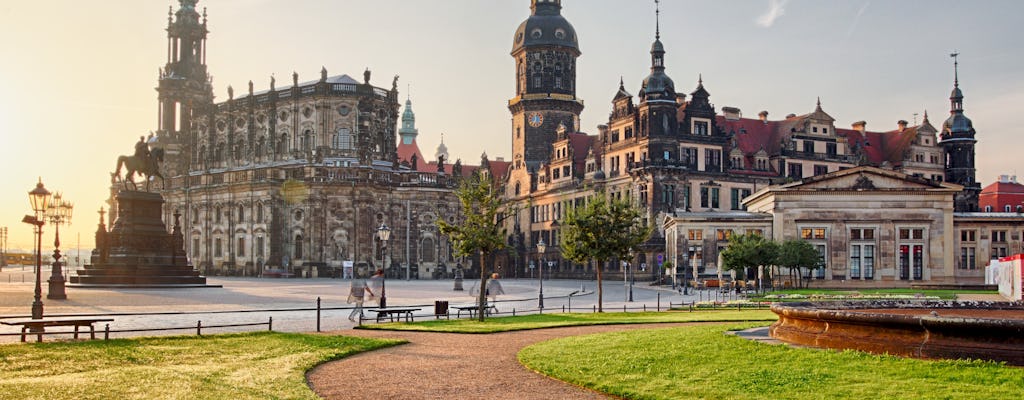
(58, 213)
(540, 263)
(383, 233)
(40, 199)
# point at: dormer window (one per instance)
(700, 128)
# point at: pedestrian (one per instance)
(356, 295)
(377, 285)
(494, 288)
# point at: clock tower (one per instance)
(545, 51)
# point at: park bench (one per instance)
(38, 326)
(490, 309)
(392, 312)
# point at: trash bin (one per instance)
(440, 308)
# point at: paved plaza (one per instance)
(246, 300)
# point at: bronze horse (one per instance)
(147, 166)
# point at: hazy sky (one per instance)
(79, 76)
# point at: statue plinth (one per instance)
(138, 251)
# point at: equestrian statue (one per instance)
(143, 162)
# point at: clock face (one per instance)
(535, 119)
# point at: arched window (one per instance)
(259, 148)
(218, 155)
(298, 246)
(241, 213)
(217, 214)
(282, 144)
(343, 139)
(307, 140)
(259, 213)
(427, 250)
(558, 76)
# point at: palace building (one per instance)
(890, 207)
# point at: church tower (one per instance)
(957, 139)
(658, 106)
(184, 86)
(545, 51)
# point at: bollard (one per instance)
(595, 308)
(563, 308)
(659, 302)
(691, 306)
(513, 312)
(623, 308)
(199, 328)
(270, 324)
(645, 307)
(318, 313)
(570, 303)
(106, 332)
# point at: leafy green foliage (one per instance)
(701, 362)
(602, 230)
(257, 365)
(749, 250)
(481, 230)
(797, 255)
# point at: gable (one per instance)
(867, 178)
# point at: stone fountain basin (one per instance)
(921, 329)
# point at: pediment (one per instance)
(868, 179)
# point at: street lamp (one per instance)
(629, 268)
(39, 198)
(58, 213)
(383, 233)
(540, 252)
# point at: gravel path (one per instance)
(448, 365)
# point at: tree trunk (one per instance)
(600, 288)
(482, 301)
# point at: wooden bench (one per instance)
(38, 326)
(392, 312)
(489, 309)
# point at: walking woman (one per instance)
(355, 295)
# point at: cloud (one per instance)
(776, 9)
(856, 19)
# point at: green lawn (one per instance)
(944, 294)
(702, 362)
(258, 365)
(538, 321)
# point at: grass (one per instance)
(944, 294)
(539, 321)
(702, 362)
(257, 365)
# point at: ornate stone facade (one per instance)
(295, 178)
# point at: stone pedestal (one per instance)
(138, 251)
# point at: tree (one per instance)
(602, 230)
(481, 230)
(750, 250)
(797, 254)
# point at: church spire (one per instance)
(657, 20)
(956, 98)
(408, 132)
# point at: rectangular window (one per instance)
(217, 248)
(830, 149)
(241, 247)
(967, 260)
(820, 170)
(809, 146)
(812, 233)
(259, 246)
(714, 197)
(668, 195)
(967, 235)
(723, 234)
(819, 273)
(688, 157)
(704, 196)
(712, 160)
(999, 236)
(695, 234)
(796, 170)
(700, 128)
(629, 132)
(686, 197)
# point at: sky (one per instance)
(79, 77)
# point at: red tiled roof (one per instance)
(406, 151)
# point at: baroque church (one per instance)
(883, 208)
(296, 178)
